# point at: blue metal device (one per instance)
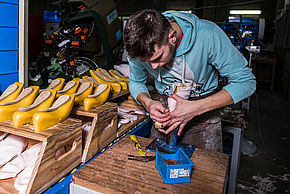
(241, 31)
(170, 145)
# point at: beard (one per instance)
(171, 55)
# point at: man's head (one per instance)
(148, 36)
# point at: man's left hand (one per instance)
(185, 110)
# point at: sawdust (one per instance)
(171, 162)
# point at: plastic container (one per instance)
(51, 16)
(174, 168)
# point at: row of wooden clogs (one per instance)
(27, 105)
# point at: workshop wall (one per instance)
(282, 47)
(276, 29)
(215, 10)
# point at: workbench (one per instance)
(112, 172)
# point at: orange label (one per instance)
(85, 30)
(48, 41)
(75, 43)
(78, 30)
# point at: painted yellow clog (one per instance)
(85, 89)
(98, 98)
(25, 98)
(88, 78)
(109, 77)
(79, 79)
(11, 92)
(56, 84)
(24, 115)
(60, 110)
(118, 75)
(115, 86)
(70, 88)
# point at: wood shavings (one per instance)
(264, 184)
(283, 177)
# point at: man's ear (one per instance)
(172, 35)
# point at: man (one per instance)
(180, 47)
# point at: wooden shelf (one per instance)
(48, 169)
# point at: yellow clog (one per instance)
(70, 88)
(98, 98)
(79, 79)
(118, 75)
(115, 86)
(109, 77)
(24, 115)
(25, 98)
(11, 92)
(60, 110)
(85, 89)
(88, 78)
(56, 84)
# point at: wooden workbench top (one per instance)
(112, 172)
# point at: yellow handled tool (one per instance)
(137, 145)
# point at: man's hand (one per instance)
(186, 110)
(156, 110)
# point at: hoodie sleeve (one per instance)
(231, 64)
(137, 78)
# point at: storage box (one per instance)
(48, 168)
(103, 128)
(174, 168)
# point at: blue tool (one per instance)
(170, 145)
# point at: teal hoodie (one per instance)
(204, 51)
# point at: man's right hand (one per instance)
(156, 110)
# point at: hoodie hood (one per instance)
(188, 24)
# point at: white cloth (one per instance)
(30, 156)
(11, 169)
(11, 145)
(124, 69)
(132, 111)
(85, 131)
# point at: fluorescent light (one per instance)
(241, 12)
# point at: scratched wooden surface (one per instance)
(112, 172)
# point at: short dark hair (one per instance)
(143, 31)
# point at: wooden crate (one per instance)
(48, 169)
(99, 136)
(116, 95)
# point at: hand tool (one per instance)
(137, 145)
(141, 158)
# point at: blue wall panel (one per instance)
(8, 39)
(6, 80)
(9, 1)
(8, 43)
(8, 62)
(8, 15)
